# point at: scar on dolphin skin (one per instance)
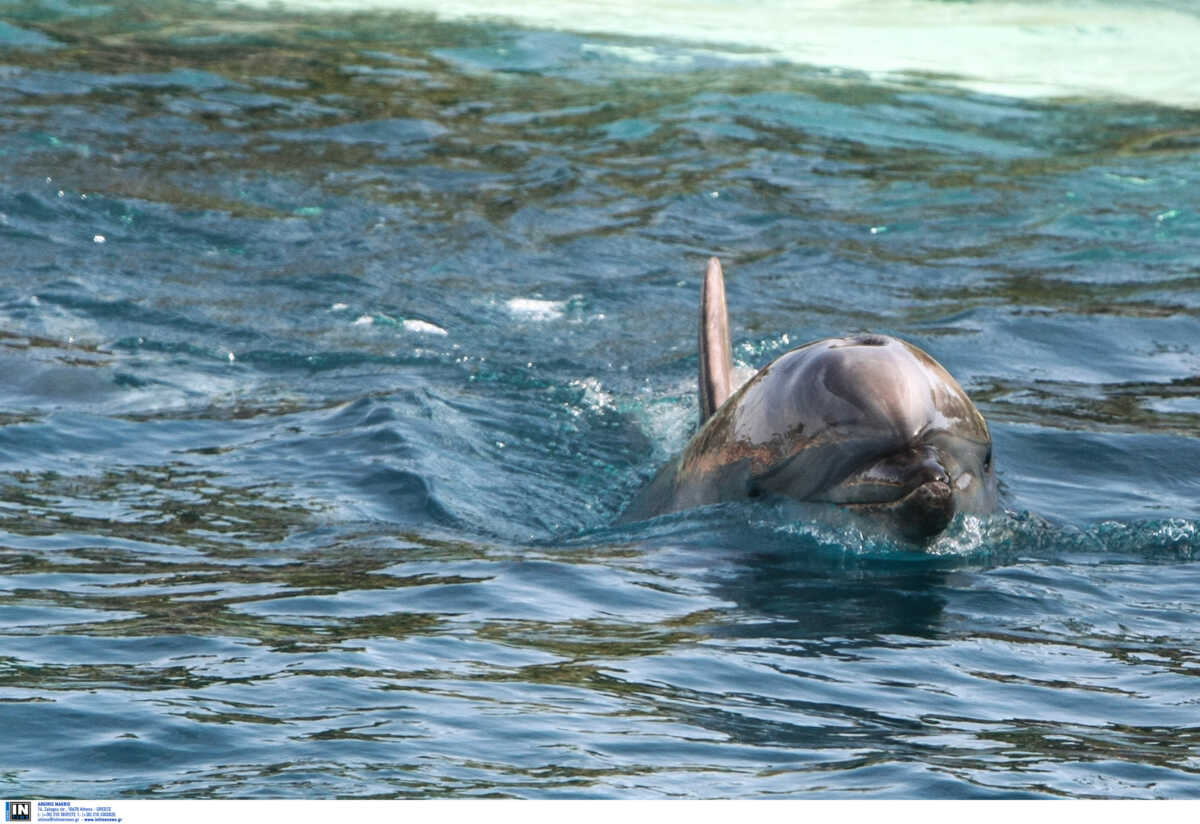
(869, 424)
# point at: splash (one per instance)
(822, 537)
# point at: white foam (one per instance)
(423, 327)
(1086, 48)
(420, 327)
(535, 309)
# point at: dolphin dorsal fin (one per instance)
(716, 357)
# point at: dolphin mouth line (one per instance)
(919, 515)
(929, 491)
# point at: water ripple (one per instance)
(335, 344)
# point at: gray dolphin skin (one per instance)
(867, 423)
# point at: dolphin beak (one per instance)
(924, 512)
(909, 489)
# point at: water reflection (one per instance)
(807, 604)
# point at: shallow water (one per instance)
(334, 345)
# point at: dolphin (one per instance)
(867, 423)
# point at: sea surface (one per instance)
(335, 338)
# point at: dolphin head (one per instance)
(873, 424)
(868, 423)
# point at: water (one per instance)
(334, 343)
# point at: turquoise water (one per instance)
(335, 344)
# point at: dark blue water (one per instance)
(333, 346)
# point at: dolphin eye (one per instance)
(987, 461)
